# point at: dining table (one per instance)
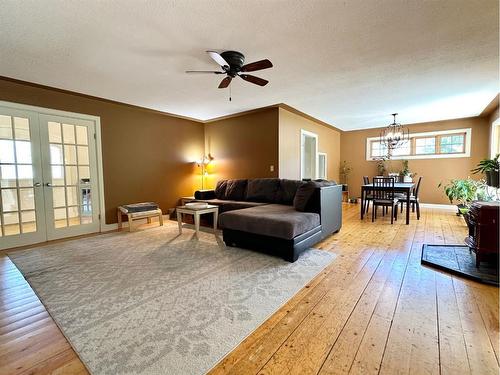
(399, 187)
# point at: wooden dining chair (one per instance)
(369, 196)
(383, 195)
(414, 199)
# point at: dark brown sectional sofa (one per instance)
(283, 217)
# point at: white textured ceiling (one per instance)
(348, 63)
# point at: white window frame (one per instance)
(495, 127)
(465, 154)
(315, 136)
(324, 154)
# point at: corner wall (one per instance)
(290, 125)
(244, 146)
(433, 171)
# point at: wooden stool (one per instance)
(138, 215)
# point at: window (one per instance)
(377, 149)
(439, 144)
(425, 146)
(452, 144)
(403, 150)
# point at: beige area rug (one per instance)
(154, 302)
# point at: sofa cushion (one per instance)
(304, 193)
(262, 189)
(302, 200)
(287, 191)
(226, 205)
(275, 220)
(236, 190)
(220, 189)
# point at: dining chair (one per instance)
(369, 196)
(383, 195)
(414, 199)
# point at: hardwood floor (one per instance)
(374, 310)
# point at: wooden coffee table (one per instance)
(197, 212)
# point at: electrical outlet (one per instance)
(271, 168)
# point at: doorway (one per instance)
(308, 155)
(49, 185)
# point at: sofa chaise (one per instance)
(280, 216)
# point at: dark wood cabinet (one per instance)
(483, 222)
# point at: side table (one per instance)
(197, 212)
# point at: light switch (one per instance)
(271, 168)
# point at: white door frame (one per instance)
(326, 165)
(97, 120)
(315, 136)
(494, 137)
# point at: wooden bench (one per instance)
(137, 216)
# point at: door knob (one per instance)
(48, 184)
(37, 184)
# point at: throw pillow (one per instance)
(304, 193)
(263, 190)
(220, 189)
(235, 190)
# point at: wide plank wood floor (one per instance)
(374, 310)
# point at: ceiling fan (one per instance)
(232, 66)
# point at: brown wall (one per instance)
(353, 150)
(290, 125)
(243, 146)
(146, 155)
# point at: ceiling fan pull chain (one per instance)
(229, 93)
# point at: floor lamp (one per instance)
(203, 163)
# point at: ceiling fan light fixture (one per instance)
(233, 65)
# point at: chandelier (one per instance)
(394, 135)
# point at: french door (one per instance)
(48, 177)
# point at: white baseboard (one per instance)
(110, 227)
(451, 207)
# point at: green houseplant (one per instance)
(464, 191)
(406, 175)
(381, 168)
(345, 169)
(491, 168)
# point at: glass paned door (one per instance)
(70, 171)
(22, 220)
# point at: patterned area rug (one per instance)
(155, 302)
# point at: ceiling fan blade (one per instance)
(205, 71)
(225, 82)
(257, 65)
(218, 58)
(253, 79)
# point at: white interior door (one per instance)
(48, 177)
(69, 163)
(22, 217)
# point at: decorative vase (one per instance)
(407, 179)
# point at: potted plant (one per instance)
(464, 192)
(405, 173)
(381, 168)
(345, 169)
(491, 168)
